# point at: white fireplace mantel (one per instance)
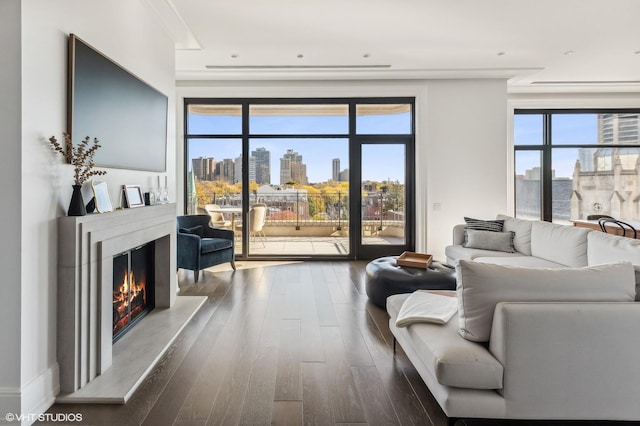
(86, 247)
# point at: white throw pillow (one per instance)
(522, 228)
(559, 243)
(482, 285)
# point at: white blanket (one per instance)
(424, 306)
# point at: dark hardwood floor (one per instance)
(291, 344)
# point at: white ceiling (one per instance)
(535, 43)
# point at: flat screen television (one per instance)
(107, 102)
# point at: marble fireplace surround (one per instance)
(92, 368)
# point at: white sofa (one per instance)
(548, 245)
(562, 343)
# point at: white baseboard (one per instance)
(9, 403)
(33, 399)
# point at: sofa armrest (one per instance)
(569, 360)
(458, 234)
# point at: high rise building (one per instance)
(203, 168)
(292, 169)
(237, 169)
(225, 170)
(335, 169)
(618, 128)
(263, 165)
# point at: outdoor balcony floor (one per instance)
(308, 245)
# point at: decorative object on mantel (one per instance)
(81, 157)
(133, 196)
(101, 196)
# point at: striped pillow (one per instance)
(484, 225)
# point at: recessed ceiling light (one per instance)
(568, 52)
(300, 56)
(502, 53)
(234, 55)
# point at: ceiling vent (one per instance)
(295, 67)
(587, 82)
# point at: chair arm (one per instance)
(188, 242)
(562, 360)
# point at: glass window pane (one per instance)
(304, 184)
(563, 164)
(383, 119)
(214, 181)
(324, 119)
(527, 129)
(604, 180)
(214, 120)
(215, 172)
(527, 184)
(574, 129)
(383, 194)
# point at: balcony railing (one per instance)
(301, 209)
(298, 223)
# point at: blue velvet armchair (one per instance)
(201, 246)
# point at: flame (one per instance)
(126, 293)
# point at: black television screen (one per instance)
(128, 116)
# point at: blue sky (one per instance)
(567, 129)
(381, 162)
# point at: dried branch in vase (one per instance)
(81, 157)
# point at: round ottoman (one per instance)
(385, 278)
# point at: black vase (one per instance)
(76, 207)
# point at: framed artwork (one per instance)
(101, 195)
(133, 196)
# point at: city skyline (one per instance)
(321, 170)
(210, 168)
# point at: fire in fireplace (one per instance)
(133, 288)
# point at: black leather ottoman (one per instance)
(385, 278)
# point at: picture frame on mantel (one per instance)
(133, 196)
(101, 196)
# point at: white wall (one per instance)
(466, 155)
(10, 207)
(125, 31)
(461, 142)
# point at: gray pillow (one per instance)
(489, 240)
(481, 286)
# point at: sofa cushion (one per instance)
(481, 286)
(209, 245)
(484, 225)
(522, 228)
(559, 243)
(523, 261)
(489, 240)
(452, 360)
(606, 248)
(459, 252)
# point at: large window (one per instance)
(571, 164)
(326, 171)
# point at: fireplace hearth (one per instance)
(133, 288)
